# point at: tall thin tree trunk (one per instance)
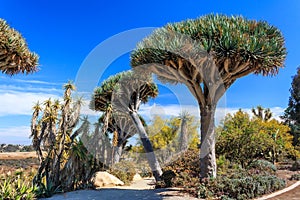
(152, 160)
(207, 147)
(183, 135)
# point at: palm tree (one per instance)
(126, 92)
(208, 55)
(15, 57)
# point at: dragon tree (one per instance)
(15, 57)
(208, 55)
(122, 95)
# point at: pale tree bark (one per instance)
(183, 135)
(208, 140)
(152, 160)
(117, 153)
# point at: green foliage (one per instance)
(240, 186)
(235, 38)
(164, 135)
(295, 177)
(292, 113)
(143, 169)
(17, 187)
(15, 55)
(263, 166)
(222, 164)
(103, 95)
(296, 165)
(242, 139)
(65, 163)
(186, 168)
(124, 170)
(234, 183)
(167, 177)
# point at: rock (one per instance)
(137, 177)
(104, 179)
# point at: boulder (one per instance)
(137, 177)
(105, 179)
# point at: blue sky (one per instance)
(64, 33)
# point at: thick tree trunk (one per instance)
(208, 166)
(152, 160)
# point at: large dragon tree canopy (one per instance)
(15, 57)
(238, 46)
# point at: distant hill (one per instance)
(15, 148)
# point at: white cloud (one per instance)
(85, 110)
(20, 103)
(13, 89)
(148, 111)
(8, 79)
(15, 135)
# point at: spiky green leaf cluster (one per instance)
(235, 38)
(15, 57)
(102, 96)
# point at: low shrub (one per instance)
(296, 166)
(243, 187)
(124, 170)
(263, 167)
(232, 182)
(17, 186)
(223, 165)
(144, 169)
(167, 177)
(295, 177)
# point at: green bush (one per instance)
(144, 169)
(167, 177)
(16, 187)
(241, 187)
(263, 167)
(223, 165)
(296, 166)
(186, 168)
(295, 177)
(124, 171)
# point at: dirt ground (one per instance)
(17, 155)
(16, 160)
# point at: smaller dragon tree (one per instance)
(122, 128)
(123, 94)
(15, 57)
(64, 161)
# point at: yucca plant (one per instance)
(208, 55)
(261, 113)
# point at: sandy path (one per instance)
(140, 190)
